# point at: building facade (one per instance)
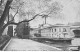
(33, 31)
(56, 31)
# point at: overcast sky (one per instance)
(70, 13)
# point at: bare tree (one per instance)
(52, 10)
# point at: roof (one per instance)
(45, 26)
(60, 25)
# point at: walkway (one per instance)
(27, 45)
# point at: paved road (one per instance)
(28, 45)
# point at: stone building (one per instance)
(55, 31)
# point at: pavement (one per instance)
(16, 44)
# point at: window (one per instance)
(52, 35)
(55, 30)
(64, 30)
(52, 30)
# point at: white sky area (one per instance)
(70, 14)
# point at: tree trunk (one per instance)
(4, 15)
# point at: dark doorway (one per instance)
(10, 31)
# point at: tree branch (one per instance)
(1, 2)
(5, 12)
(14, 15)
(33, 17)
(30, 19)
(16, 12)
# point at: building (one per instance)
(33, 31)
(55, 31)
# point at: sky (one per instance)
(70, 13)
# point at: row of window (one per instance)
(55, 30)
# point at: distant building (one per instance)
(33, 31)
(55, 31)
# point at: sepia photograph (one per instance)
(39, 25)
